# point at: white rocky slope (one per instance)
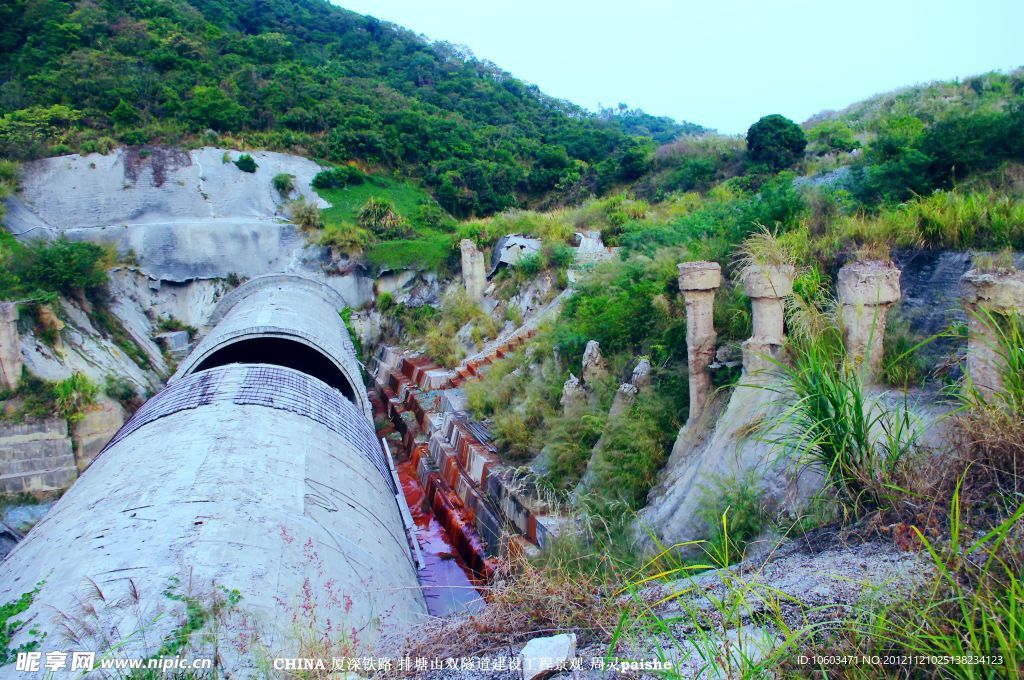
(184, 215)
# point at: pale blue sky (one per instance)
(722, 63)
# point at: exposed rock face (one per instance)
(593, 363)
(698, 282)
(729, 441)
(473, 274)
(985, 294)
(98, 424)
(10, 347)
(174, 341)
(866, 292)
(185, 214)
(36, 457)
(84, 349)
(767, 287)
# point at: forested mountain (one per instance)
(293, 74)
(661, 129)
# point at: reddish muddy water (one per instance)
(448, 584)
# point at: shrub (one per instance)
(284, 183)
(305, 215)
(338, 178)
(559, 256)
(832, 136)
(971, 609)
(344, 238)
(693, 174)
(442, 347)
(569, 442)
(775, 141)
(72, 395)
(120, 389)
(379, 216)
(246, 163)
(513, 435)
(902, 362)
(168, 324)
(859, 444)
(60, 266)
(385, 302)
(528, 266)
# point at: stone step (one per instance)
(54, 479)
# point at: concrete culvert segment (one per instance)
(286, 320)
(258, 470)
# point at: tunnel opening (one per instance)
(282, 352)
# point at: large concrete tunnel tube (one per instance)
(255, 477)
(287, 320)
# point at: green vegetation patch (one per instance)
(346, 203)
(429, 252)
(396, 222)
(9, 626)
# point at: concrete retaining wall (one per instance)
(36, 457)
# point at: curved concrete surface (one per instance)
(297, 311)
(256, 469)
(250, 477)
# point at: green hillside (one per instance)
(302, 75)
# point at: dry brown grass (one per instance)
(989, 444)
(523, 601)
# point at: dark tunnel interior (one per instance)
(281, 352)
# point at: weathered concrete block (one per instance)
(593, 363)
(10, 346)
(700, 275)
(767, 287)
(544, 656)
(771, 281)
(698, 282)
(36, 457)
(866, 292)
(474, 276)
(174, 341)
(988, 293)
(97, 426)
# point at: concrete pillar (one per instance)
(767, 287)
(698, 282)
(866, 292)
(473, 274)
(593, 368)
(10, 346)
(988, 293)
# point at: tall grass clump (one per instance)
(739, 500)
(972, 609)
(860, 443)
(988, 432)
(73, 395)
(682, 613)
